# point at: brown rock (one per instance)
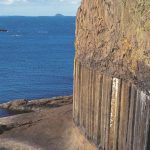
(112, 74)
(113, 37)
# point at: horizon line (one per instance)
(35, 16)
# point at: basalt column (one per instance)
(112, 74)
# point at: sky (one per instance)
(38, 7)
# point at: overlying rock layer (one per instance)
(113, 37)
(112, 74)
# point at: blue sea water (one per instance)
(36, 57)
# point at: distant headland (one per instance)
(3, 30)
(59, 15)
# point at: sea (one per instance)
(36, 57)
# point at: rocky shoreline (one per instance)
(45, 124)
(24, 105)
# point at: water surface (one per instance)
(36, 57)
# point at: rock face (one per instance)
(112, 113)
(113, 37)
(112, 74)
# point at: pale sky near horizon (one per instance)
(38, 7)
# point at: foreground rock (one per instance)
(44, 128)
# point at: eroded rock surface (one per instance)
(113, 37)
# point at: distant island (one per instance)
(59, 15)
(3, 30)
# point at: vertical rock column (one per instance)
(112, 113)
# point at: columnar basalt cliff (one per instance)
(112, 74)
